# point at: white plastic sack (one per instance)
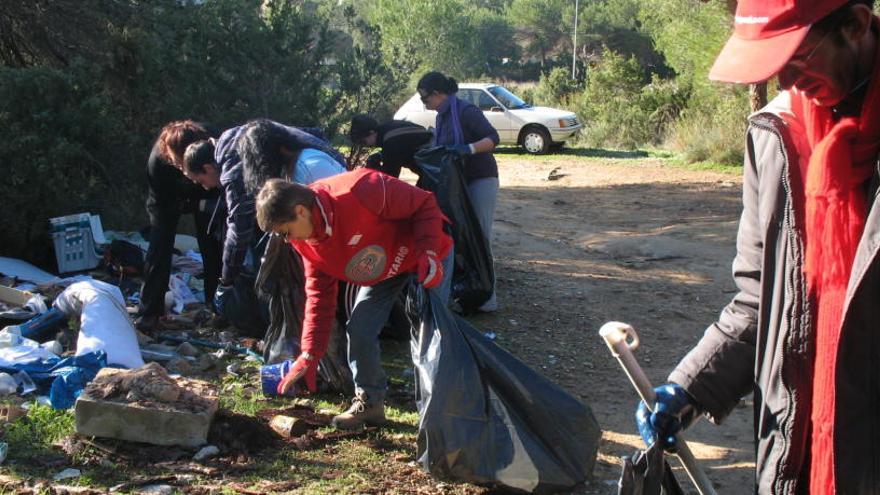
(104, 322)
(180, 290)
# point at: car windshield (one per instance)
(507, 98)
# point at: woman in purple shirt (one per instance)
(463, 128)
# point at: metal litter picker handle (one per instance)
(621, 340)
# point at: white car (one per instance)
(537, 129)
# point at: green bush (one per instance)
(555, 88)
(620, 110)
(713, 130)
(78, 133)
(64, 152)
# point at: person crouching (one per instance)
(366, 228)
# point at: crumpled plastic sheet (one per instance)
(63, 379)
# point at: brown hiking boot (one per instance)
(361, 413)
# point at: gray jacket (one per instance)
(763, 340)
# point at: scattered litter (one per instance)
(490, 335)
(63, 379)
(180, 291)
(23, 270)
(104, 322)
(234, 368)
(53, 346)
(10, 337)
(40, 325)
(11, 412)
(158, 352)
(8, 384)
(185, 243)
(76, 237)
(186, 264)
(206, 452)
(67, 474)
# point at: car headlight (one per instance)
(568, 122)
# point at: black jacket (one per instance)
(400, 140)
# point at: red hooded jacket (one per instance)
(369, 227)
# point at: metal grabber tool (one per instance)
(622, 339)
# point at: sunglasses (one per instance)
(424, 98)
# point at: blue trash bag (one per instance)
(63, 379)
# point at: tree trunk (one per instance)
(758, 95)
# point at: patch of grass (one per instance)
(34, 433)
(31, 438)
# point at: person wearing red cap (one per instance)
(803, 332)
(366, 228)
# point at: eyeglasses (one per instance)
(424, 98)
(802, 62)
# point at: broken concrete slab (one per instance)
(146, 405)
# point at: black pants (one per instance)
(157, 269)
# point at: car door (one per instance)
(495, 112)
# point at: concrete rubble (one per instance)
(147, 405)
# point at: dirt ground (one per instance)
(633, 240)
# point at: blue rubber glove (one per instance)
(673, 408)
(224, 293)
(461, 150)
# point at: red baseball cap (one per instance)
(766, 34)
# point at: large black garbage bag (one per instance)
(487, 418)
(243, 308)
(474, 275)
(281, 282)
(646, 472)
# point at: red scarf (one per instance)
(841, 160)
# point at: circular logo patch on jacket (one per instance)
(367, 264)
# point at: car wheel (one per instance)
(536, 140)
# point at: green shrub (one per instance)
(65, 151)
(712, 129)
(555, 88)
(620, 110)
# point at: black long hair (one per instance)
(436, 81)
(260, 147)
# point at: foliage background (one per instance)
(85, 85)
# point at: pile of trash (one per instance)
(58, 333)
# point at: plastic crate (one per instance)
(74, 243)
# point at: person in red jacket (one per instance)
(367, 228)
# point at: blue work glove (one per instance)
(673, 409)
(223, 294)
(461, 150)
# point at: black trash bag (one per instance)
(487, 418)
(646, 472)
(243, 309)
(281, 283)
(474, 275)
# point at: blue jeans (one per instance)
(484, 196)
(370, 312)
